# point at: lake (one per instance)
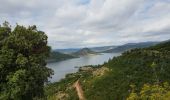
(68, 66)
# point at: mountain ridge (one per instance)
(84, 52)
(130, 46)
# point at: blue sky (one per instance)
(87, 23)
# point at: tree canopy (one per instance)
(151, 92)
(23, 71)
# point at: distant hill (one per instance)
(110, 49)
(95, 49)
(57, 56)
(102, 48)
(84, 52)
(67, 51)
(130, 46)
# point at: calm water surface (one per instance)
(68, 66)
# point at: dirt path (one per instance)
(79, 90)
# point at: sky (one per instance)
(90, 23)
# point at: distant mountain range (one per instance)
(95, 49)
(130, 46)
(84, 52)
(110, 49)
(63, 54)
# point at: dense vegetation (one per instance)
(151, 92)
(57, 56)
(139, 74)
(23, 70)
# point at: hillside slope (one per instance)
(130, 46)
(133, 68)
(84, 52)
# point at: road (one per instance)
(79, 90)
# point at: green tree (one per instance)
(151, 92)
(23, 70)
(153, 66)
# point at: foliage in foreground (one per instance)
(23, 68)
(151, 92)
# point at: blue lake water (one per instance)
(68, 66)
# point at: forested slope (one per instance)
(137, 75)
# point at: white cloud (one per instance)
(82, 23)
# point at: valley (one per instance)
(136, 67)
(85, 50)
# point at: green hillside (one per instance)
(130, 46)
(139, 74)
(57, 56)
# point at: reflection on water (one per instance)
(68, 66)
